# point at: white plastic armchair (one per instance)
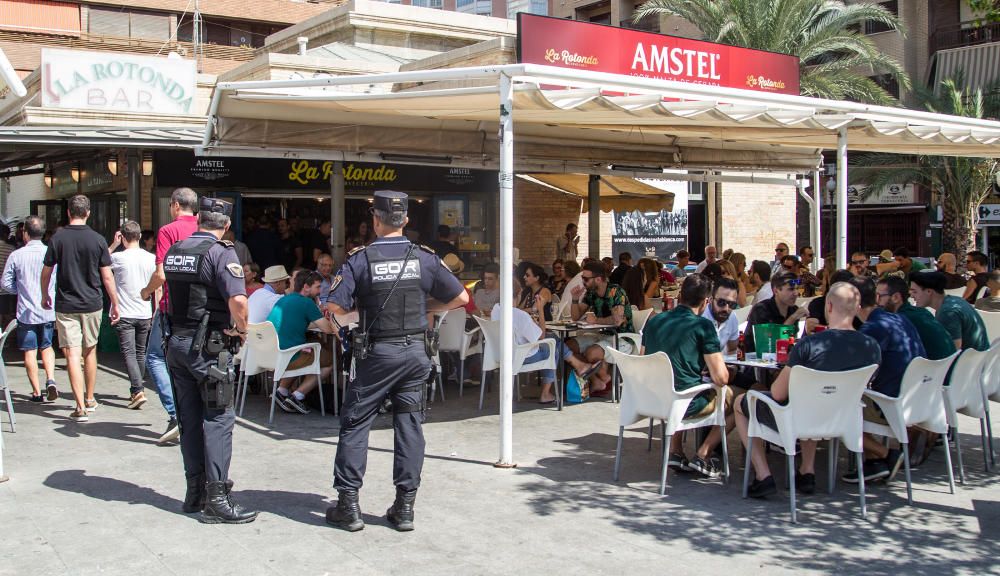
(639, 319)
(992, 322)
(921, 404)
(955, 291)
(491, 356)
(821, 405)
(4, 383)
(648, 392)
(964, 395)
(266, 355)
(453, 337)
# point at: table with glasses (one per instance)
(752, 361)
(564, 330)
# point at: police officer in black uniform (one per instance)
(388, 282)
(207, 298)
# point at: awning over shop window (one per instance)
(979, 64)
(617, 192)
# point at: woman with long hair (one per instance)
(729, 271)
(557, 283)
(535, 298)
(829, 267)
(364, 236)
(739, 261)
(632, 284)
(650, 279)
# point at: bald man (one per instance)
(947, 265)
(837, 349)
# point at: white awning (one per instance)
(571, 119)
(617, 192)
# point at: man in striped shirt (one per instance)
(34, 323)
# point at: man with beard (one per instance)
(720, 312)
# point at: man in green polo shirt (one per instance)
(959, 318)
(692, 344)
(892, 294)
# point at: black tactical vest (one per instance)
(405, 312)
(190, 299)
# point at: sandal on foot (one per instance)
(590, 371)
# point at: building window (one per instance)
(876, 27)
(59, 18)
(128, 24)
(438, 4)
(600, 18)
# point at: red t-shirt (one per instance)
(170, 234)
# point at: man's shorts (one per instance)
(34, 336)
(872, 413)
(588, 339)
(301, 360)
(764, 414)
(704, 403)
(78, 329)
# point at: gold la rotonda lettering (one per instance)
(304, 172)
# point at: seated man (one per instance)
(292, 315)
(720, 312)
(817, 306)
(778, 309)
(760, 281)
(899, 343)
(991, 303)
(958, 317)
(598, 302)
(488, 293)
(894, 296)
(946, 264)
(690, 340)
(259, 303)
(837, 349)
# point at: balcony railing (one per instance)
(965, 34)
(647, 24)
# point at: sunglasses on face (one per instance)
(781, 249)
(586, 278)
(723, 303)
(858, 262)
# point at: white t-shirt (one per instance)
(260, 303)
(728, 331)
(764, 293)
(525, 329)
(132, 269)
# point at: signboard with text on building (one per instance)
(599, 48)
(115, 81)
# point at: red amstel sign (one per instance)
(586, 46)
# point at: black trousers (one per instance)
(397, 370)
(206, 435)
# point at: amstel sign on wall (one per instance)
(586, 46)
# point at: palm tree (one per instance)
(961, 183)
(834, 56)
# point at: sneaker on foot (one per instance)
(91, 405)
(52, 393)
(297, 405)
(762, 488)
(137, 400)
(874, 470)
(172, 433)
(79, 415)
(708, 468)
(282, 401)
(678, 462)
(805, 483)
(37, 399)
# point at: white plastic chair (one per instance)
(265, 354)
(955, 292)
(742, 313)
(964, 395)
(648, 392)
(992, 322)
(453, 337)
(821, 405)
(991, 389)
(491, 356)
(921, 404)
(3, 376)
(639, 319)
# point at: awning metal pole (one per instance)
(817, 217)
(800, 187)
(842, 199)
(337, 226)
(594, 217)
(506, 178)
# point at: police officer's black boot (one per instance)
(400, 514)
(220, 508)
(346, 515)
(194, 499)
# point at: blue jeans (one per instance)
(541, 354)
(156, 365)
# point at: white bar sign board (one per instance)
(113, 81)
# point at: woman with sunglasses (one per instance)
(535, 298)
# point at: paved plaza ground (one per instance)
(102, 498)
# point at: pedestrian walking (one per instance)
(34, 323)
(388, 282)
(82, 264)
(133, 267)
(183, 204)
(207, 296)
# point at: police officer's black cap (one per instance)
(391, 201)
(215, 205)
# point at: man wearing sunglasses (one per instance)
(859, 266)
(778, 309)
(599, 302)
(780, 251)
(720, 312)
